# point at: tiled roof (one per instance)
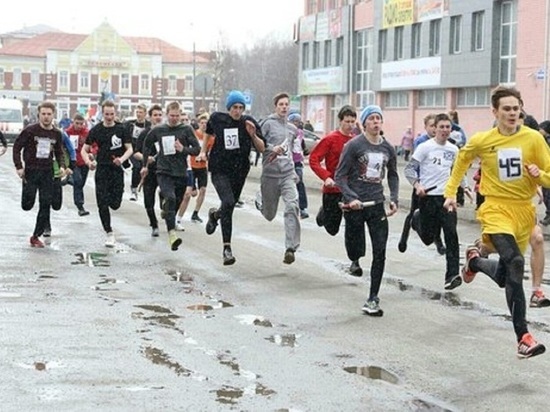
(38, 46)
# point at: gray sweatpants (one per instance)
(272, 189)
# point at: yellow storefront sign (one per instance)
(398, 13)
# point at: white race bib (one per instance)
(510, 164)
(43, 148)
(231, 139)
(374, 167)
(169, 145)
(74, 140)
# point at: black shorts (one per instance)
(200, 177)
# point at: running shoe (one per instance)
(228, 258)
(83, 212)
(212, 223)
(179, 226)
(468, 275)
(289, 256)
(47, 232)
(195, 218)
(304, 214)
(355, 269)
(110, 240)
(372, 307)
(174, 240)
(155, 232)
(258, 201)
(453, 282)
(36, 242)
(134, 195)
(320, 218)
(528, 347)
(539, 300)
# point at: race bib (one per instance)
(169, 145)
(510, 163)
(137, 131)
(231, 139)
(373, 171)
(74, 140)
(43, 145)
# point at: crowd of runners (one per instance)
(174, 158)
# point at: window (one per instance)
(398, 43)
(305, 56)
(84, 80)
(311, 9)
(145, 83)
(316, 55)
(364, 71)
(472, 96)
(435, 38)
(35, 78)
(508, 32)
(477, 30)
(415, 40)
(339, 51)
(188, 85)
(382, 45)
(172, 83)
(455, 46)
(397, 99)
(63, 80)
(2, 78)
(17, 78)
(431, 98)
(328, 53)
(125, 81)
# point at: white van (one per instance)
(11, 118)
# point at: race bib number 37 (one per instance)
(231, 138)
(509, 164)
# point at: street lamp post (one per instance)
(194, 75)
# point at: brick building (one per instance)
(73, 70)
(413, 57)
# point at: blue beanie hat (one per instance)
(294, 117)
(367, 111)
(234, 97)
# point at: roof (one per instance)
(39, 45)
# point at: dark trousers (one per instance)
(434, 218)
(109, 188)
(150, 185)
(136, 169)
(546, 200)
(229, 188)
(80, 175)
(332, 213)
(40, 181)
(171, 191)
(377, 223)
(302, 195)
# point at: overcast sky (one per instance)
(177, 21)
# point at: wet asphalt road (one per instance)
(142, 328)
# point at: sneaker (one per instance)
(195, 218)
(36, 242)
(538, 300)
(83, 212)
(528, 347)
(289, 257)
(468, 275)
(174, 240)
(355, 269)
(453, 282)
(320, 218)
(483, 250)
(228, 258)
(134, 195)
(110, 240)
(155, 232)
(47, 232)
(372, 307)
(258, 201)
(304, 214)
(212, 221)
(441, 249)
(179, 226)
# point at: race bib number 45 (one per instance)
(510, 163)
(231, 138)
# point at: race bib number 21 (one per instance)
(509, 164)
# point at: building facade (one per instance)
(76, 71)
(414, 57)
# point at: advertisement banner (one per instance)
(307, 28)
(315, 112)
(431, 9)
(322, 81)
(411, 74)
(397, 13)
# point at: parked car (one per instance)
(310, 139)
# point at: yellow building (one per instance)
(76, 70)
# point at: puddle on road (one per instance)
(284, 340)
(226, 360)
(373, 372)
(217, 304)
(159, 357)
(42, 277)
(91, 259)
(229, 395)
(186, 279)
(163, 316)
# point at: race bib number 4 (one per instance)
(231, 139)
(510, 163)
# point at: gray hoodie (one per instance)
(278, 132)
